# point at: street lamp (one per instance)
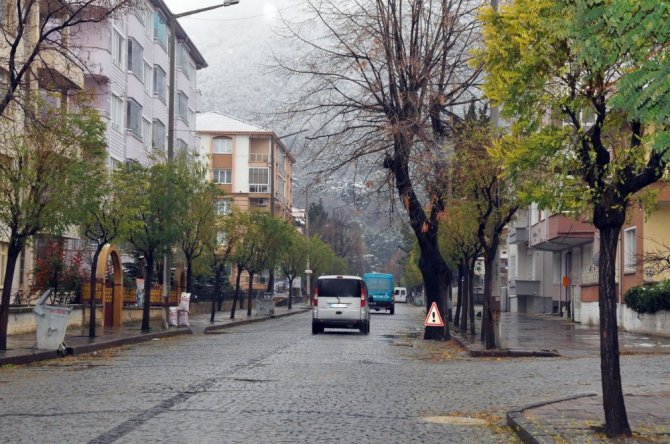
(171, 112)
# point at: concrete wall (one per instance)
(652, 324)
(22, 320)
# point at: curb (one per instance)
(527, 431)
(42, 355)
(235, 323)
(503, 353)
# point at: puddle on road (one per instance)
(454, 420)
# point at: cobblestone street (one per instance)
(274, 382)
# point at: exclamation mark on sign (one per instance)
(434, 317)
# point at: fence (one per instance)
(129, 294)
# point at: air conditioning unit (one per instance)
(262, 202)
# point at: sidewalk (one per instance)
(580, 418)
(21, 348)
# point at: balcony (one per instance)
(518, 236)
(558, 232)
(55, 70)
(257, 157)
(520, 287)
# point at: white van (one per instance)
(400, 294)
(340, 302)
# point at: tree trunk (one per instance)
(290, 292)
(448, 299)
(464, 271)
(488, 330)
(616, 418)
(250, 292)
(146, 308)
(216, 298)
(433, 268)
(13, 252)
(459, 296)
(237, 292)
(271, 282)
(241, 300)
(189, 275)
(471, 295)
(93, 281)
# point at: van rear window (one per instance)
(339, 287)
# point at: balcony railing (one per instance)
(255, 157)
(518, 236)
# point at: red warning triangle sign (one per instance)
(433, 319)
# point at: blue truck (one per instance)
(380, 291)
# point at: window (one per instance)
(114, 164)
(135, 58)
(160, 30)
(184, 61)
(222, 176)
(258, 180)
(280, 187)
(222, 207)
(117, 113)
(158, 135)
(117, 48)
(182, 106)
(181, 146)
(134, 118)
(223, 145)
(148, 74)
(146, 134)
(159, 82)
(630, 250)
(341, 287)
(148, 21)
(191, 118)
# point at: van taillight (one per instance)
(316, 296)
(364, 297)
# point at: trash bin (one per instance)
(51, 323)
(264, 305)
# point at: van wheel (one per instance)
(316, 329)
(392, 309)
(365, 328)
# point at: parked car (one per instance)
(340, 302)
(400, 294)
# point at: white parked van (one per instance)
(400, 294)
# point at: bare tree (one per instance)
(381, 81)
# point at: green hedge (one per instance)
(649, 298)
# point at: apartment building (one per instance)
(553, 262)
(124, 65)
(53, 75)
(251, 164)
(130, 78)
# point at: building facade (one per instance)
(251, 164)
(123, 66)
(553, 262)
